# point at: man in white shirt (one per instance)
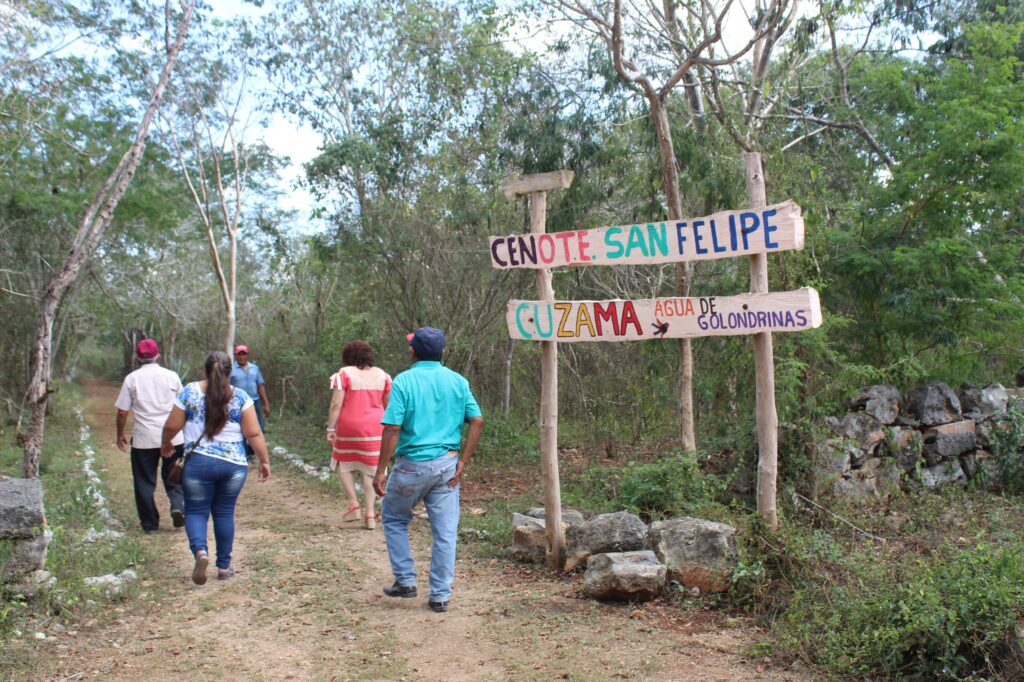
(148, 393)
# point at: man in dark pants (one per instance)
(248, 377)
(148, 393)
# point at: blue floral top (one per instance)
(229, 444)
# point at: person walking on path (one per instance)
(354, 428)
(217, 419)
(248, 377)
(148, 394)
(423, 427)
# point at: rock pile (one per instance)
(626, 560)
(935, 437)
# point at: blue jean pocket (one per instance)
(404, 481)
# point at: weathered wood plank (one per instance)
(663, 318)
(726, 234)
(539, 182)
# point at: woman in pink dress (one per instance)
(361, 393)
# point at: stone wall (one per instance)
(933, 436)
(22, 528)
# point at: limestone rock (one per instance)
(697, 553)
(530, 542)
(983, 432)
(112, 585)
(618, 532)
(904, 445)
(624, 576)
(864, 433)
(27, 555)
(880, 401)
(933, 404)
(21, 508)
(524, 520)
(36, 583)
(831, 457)
(984, 403)
(571, 517)
(857, 485)
(942, 474)
(969, 463)
(530, 539)
(950, 440)
(877, 478)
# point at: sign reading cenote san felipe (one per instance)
(663, 318)
(727, 234)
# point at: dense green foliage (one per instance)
(856, 611)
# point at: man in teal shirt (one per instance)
(423, 426)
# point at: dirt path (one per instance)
(307, 605)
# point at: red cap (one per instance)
(147, 349)
(241, 348)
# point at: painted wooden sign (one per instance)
(663, 318)
(727, 234)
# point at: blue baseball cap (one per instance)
(427, 342)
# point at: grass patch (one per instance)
(70, 513)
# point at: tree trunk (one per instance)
(684, 271)
(229, 335)
(95, 221)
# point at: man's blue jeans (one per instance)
(409, 483)
(212, 485)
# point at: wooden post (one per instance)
(537, 187)
(764, 364)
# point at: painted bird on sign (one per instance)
(661, 328)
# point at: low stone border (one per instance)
(94, 490)
(323, 473)
(109, 585)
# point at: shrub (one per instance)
(1007, 442)
(666, 487)
(944, 619)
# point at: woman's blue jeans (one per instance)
(212, 486)
(409, 483)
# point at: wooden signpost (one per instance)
(754, 232)
(537, 187)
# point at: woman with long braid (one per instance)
(217, 419)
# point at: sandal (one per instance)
(371, 522)
(352, 513)
(199, 569)
(226, 575)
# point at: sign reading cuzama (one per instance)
(664, 318)
(727, 234)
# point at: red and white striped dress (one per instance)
(358, 430)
